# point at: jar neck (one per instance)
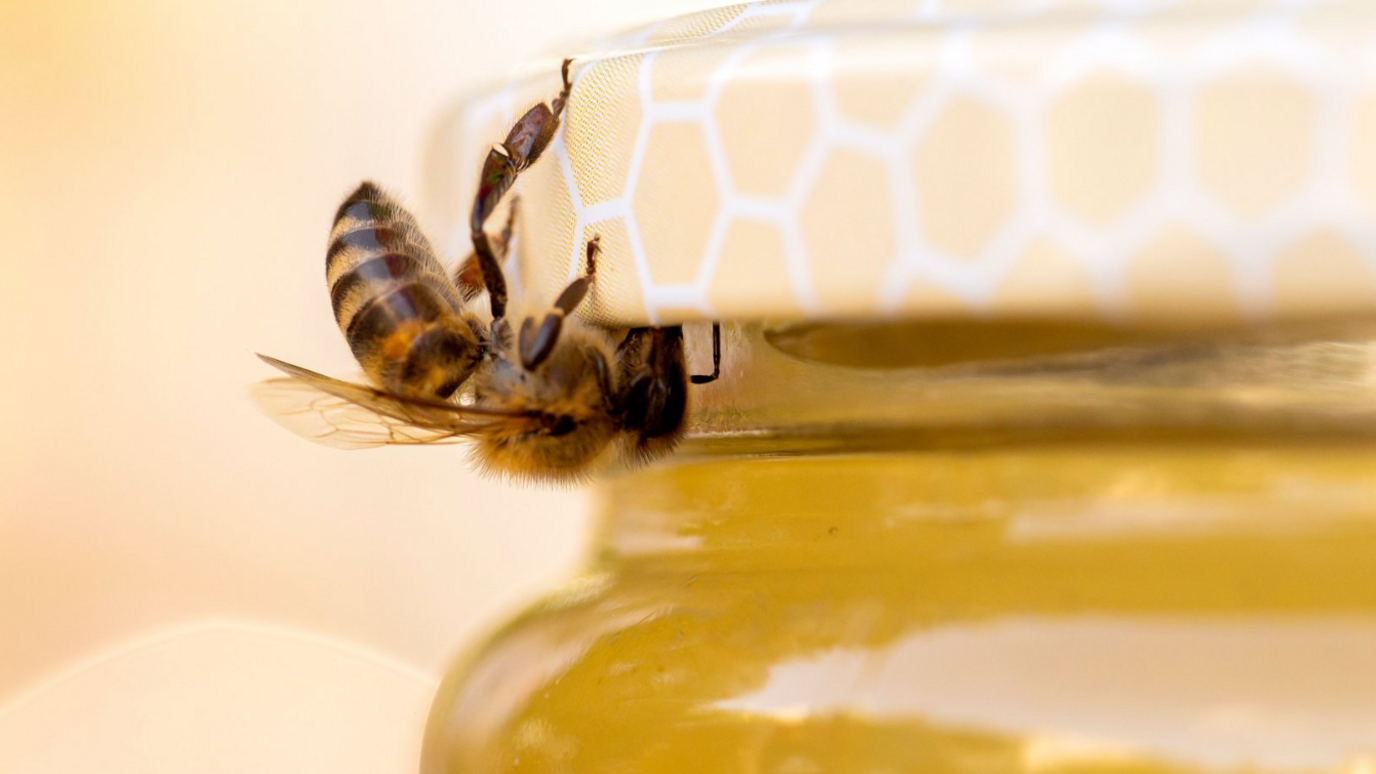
(902, 509)
(809, 389)
(862, 445)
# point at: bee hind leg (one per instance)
(557, 106)
(537, 343)
(505, 161)
(527, 140)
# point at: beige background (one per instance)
(176, 572)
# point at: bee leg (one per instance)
(716, 358)
(525, 142)
(557, 106)
(537, 343)
(492, 275)
(536, 129)
(510, 226)
(500, 169)
(468, 275)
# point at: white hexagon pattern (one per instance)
(1156, 160)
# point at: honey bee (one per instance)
(557, 401)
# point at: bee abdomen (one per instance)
(408, 341)
(382, 317)
(376, 247)
(400, 313)
(376, 277)
(372, 260)
(360, 242)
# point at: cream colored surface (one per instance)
(223, 698)
(168, 172)
(1177, 159)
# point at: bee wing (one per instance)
(354, 416)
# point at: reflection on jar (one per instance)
(1163, 562)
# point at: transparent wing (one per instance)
(354, 416)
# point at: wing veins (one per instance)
(348, 415)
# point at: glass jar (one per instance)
(902, 548)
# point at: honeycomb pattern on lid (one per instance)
(1159, 161)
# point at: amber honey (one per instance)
(1148, 555)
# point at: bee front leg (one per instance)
(538, 343)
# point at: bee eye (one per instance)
(563, 426)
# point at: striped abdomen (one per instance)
(399, 311)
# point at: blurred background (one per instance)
(183, 584)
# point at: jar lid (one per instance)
(1178, 162)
